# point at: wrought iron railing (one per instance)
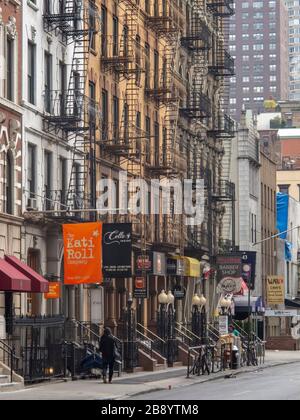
(9, 358)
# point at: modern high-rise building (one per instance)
(294, 49)
(258, 38)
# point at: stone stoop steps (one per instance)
(6, 385)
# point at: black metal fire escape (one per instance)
(226, 193)
(222, 8)
(71, 110)
(222, 67)
(198, 42)
(163, 19)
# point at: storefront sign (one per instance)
(275, 290)
(229, 285)
(229, 266)
(153, 263)
(175, 267)
(223, 325)
(97, 306)
(141, 289)
(82, 253)
(277, 313)
(54, 291)
(117, 249)
(249, 268)
(144, 263)
(192, 267)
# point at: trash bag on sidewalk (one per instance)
(92, 361)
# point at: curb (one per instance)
(208, 379)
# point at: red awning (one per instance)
(38, 283)
(12, 280)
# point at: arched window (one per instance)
(9, 177)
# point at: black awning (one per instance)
(295, 303)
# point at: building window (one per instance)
(31, 171)
(31, 73)
(148, 141)
(92, 24)
(284, 189)
(92, 105)
(104, 114)
(62, 86)
(104, 31)
(47, 179)
(48, 81)
(63, 180)
(116, 117)
(9, 183)
(10, 69)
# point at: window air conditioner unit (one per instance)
(32, 204)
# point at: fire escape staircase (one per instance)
(72, 109)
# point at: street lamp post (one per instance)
(130, 348)
(247, 278)
(166, 325)
(199, 318)
(196, 323)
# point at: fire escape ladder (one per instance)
(223, 68)
(221, 8)
(198, 41)
(70, 108)
(127, 60)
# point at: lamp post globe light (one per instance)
(166, 324)
(199, 318)
(162, 315)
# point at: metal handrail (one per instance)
(10, 351)
(210, 329)
(183, 334)
(241, 330)
(141, 343)
(186, 329)
(150, 332)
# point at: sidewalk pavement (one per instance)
(130, 385)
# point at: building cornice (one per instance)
(11, 106)
(10, 219)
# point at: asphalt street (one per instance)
(277, 383)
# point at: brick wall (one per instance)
(283, 343)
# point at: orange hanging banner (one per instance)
(83, 253)
(54, 291)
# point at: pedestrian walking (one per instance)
(110, 352)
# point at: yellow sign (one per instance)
(270, 104)
(192, 267)
(275, 290)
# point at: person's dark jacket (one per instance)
(107, 346)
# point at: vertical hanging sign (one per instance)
(83, 253)
(117, 250)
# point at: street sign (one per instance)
(284, 313)
(179, 292)
(141, 288)
(223, 325)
